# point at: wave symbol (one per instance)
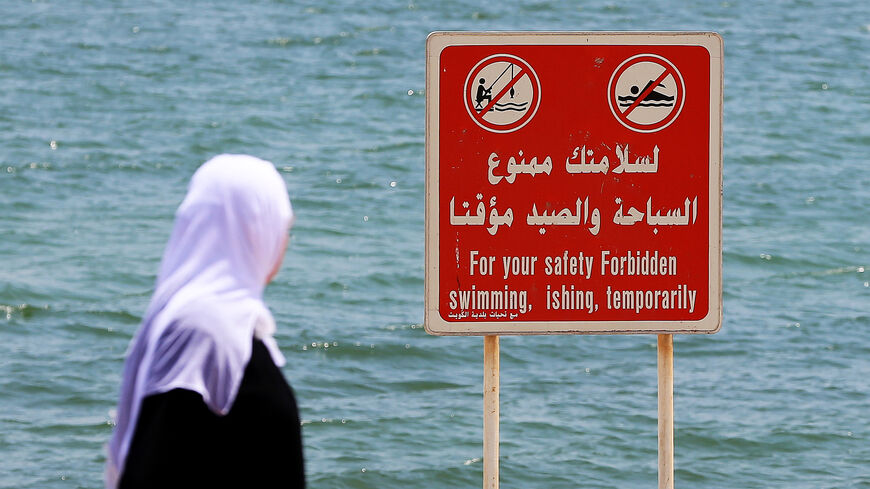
(648, 104)
(508, 106)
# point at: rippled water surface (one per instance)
(106, 108)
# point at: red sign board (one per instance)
(573, 183)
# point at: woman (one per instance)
(203, 403)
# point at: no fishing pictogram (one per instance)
(502, 93)
(646, 93)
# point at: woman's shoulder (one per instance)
(201, 350)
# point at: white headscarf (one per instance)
(229, 235)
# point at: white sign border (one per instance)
(435, 44)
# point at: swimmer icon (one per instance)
(646, 93)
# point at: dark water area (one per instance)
(107, 108)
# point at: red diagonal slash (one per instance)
(503, 91)
(646, 92)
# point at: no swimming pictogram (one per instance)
(646, 93)
(502, 93)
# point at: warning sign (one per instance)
(573, 183)
(646, 93)
(502, 93)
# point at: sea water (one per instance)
(106, 109)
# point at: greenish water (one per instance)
(106, 108)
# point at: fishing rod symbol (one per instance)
(486, 93)
(502, 93)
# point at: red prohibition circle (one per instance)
(680, 96)
(525, 70)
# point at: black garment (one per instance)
(180, 443)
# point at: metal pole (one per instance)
(666, 410)
(490, 412)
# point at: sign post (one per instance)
(490, 411)
(665, 362)
(573, 186)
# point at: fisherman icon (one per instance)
(646, 93)
(483, 93)
(502, 93)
